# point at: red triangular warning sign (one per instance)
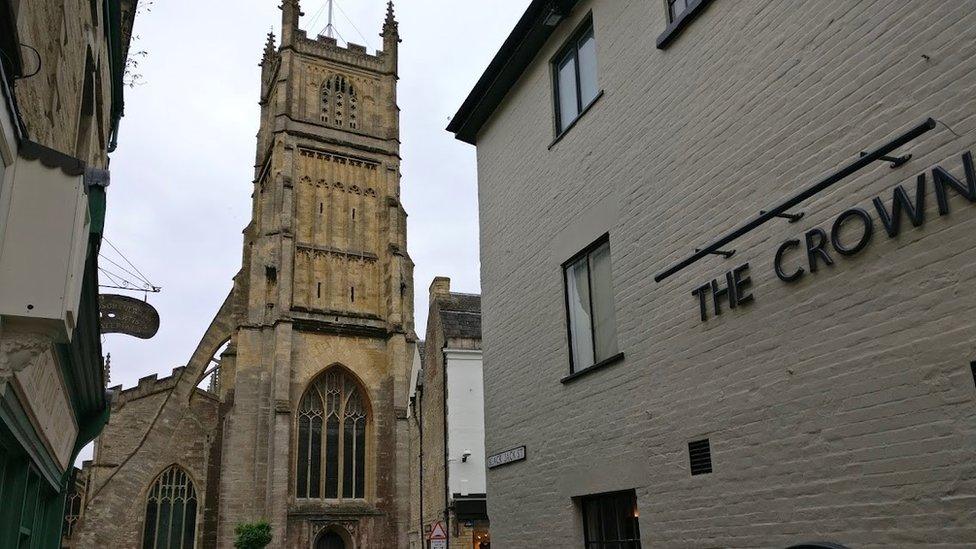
(437, 532)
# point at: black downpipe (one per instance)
(447, 485)
(418, 417)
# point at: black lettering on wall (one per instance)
(719, 292)
(778, 262)
(943, 179)
(700, 292)
(817, 248)
(868, 231)
(900, 202)
(741, 284)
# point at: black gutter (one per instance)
(9, 41)
(789, 203)
(515, 55)
(113, 34)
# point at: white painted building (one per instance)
(727, 274)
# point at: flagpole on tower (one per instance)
(330, 29)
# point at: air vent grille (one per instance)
(700, 454)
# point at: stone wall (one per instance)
(160, 422)
(837, 407)
(71, 53)
(115, 505)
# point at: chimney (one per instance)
(440, 287)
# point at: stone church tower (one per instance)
(305, 427)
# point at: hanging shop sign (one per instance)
(506, 457)
(804, 256)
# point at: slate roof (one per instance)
(460, 315)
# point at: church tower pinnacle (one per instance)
(291, 11)
(391, 37)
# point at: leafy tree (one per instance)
(252, 535)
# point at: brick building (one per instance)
(447, 425)
(806, 376)
(304, 422)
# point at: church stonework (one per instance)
(305, 426)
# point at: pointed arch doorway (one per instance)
(331, 540)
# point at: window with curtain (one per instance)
(610, 521)
(171, 511)
(332, 420)
(575, 76)
(589, 304)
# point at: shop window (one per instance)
(332, 418)
(72, 508)
(30, 509)
(611, 521)
(589, 306)
(171, 511)
(575, 77)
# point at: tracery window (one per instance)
(171, 511)
(332, 417)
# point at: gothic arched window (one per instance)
(332, 418)
(171, 511)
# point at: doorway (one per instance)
(330, 540)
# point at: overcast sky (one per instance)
(182, 174)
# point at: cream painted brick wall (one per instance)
(841, 407)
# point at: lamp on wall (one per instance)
(553, 16)
(465, 455)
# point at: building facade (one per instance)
(305, 426)
(447, 427)
(725, 273)
(61, 79)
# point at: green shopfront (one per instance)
(52, 378)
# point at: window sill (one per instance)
(572, 124)
(619, 357)
(679, 24)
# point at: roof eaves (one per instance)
(517, 52)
